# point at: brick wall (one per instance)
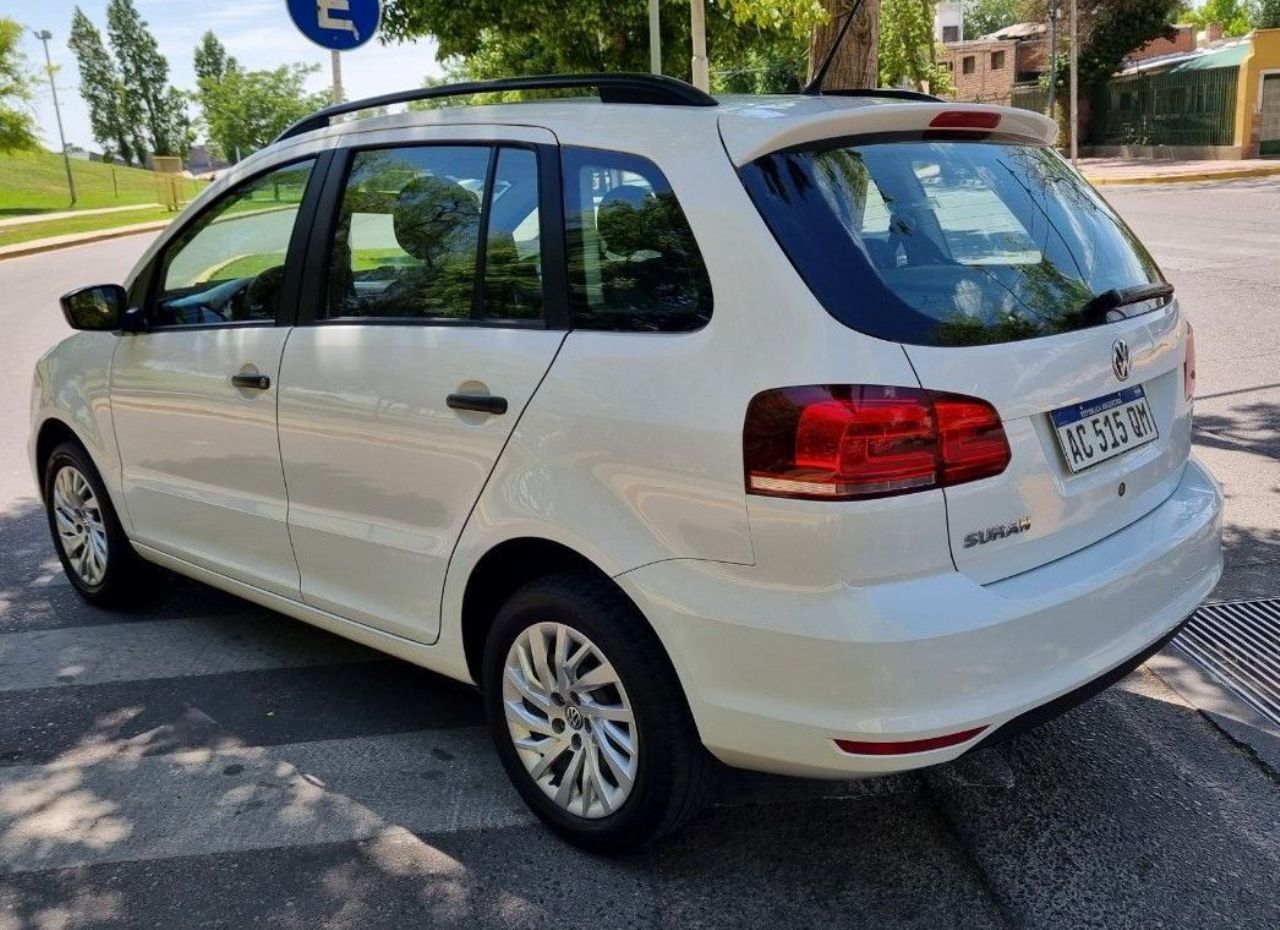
(991, 70)
(1184, 41)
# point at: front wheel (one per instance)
(589, 717)
(95, 553)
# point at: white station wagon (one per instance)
(827, 435)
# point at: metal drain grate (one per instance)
(1238, 643)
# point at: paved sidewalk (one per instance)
(1146, 171)
(68, 214)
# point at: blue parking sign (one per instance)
(338, 25)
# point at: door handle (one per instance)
(481, 403)
(257, 382)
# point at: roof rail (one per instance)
(612, 88)
(893, 93)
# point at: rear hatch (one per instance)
(1005, 277)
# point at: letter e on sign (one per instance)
(338, 25)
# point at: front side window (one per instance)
(633, 263)
(228, 265)
(947, 242)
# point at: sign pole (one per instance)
(655, 38)
(335, 63)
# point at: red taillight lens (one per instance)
(965, 119)
(972, 438)
(851, 442)
(1189, 366)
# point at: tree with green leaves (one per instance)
(148, 99)
(211, 59)
(1109, 31)
(492, 38)
(246, 110)
(906, 46)
(983, 17)
(17, 123)
(1267, 14)
(1234, 15)
(102, 91)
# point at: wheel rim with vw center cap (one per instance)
(81, 532)
(570, 720)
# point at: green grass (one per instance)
(25, 232)
(36, 182)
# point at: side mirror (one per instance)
(101, 307)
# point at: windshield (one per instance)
(947, 242)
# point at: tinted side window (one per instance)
(228, 265)
(408, 233)
(633, 262)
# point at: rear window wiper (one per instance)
(1096, 310)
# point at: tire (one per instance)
(98, 558)
(670, 767)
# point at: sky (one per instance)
(258, 33)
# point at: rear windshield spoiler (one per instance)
(752, 132)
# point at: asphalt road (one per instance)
(208, 764)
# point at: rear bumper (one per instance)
(774, 676)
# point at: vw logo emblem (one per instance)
(573, 717)
(1120, 359)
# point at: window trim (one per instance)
(313, 295)
(295, 252)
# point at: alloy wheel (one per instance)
(81, 531)
(570, 720)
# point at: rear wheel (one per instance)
(589, 717)
(95, 553)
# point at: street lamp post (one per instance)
(44, 35)
(1075, 85)
(1053, 51)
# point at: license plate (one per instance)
(1102, 428)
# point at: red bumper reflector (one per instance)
(965, 119)
(862, 748)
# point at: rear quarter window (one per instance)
(633, 263)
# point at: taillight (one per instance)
(852, 442)
(965, 119)
(1189, 366)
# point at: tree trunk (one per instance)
(856, 63)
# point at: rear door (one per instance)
(435, 306)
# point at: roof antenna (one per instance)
(814, 87)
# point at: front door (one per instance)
(1270, 106)
(431, 336)
(194, 398)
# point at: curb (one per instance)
(36, 246)
(1186, 178)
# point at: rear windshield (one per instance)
(947, 242)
